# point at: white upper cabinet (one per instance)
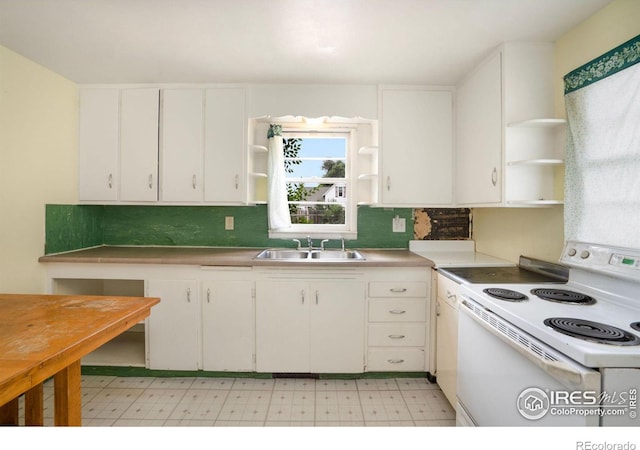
(416, 155)
(479, 135)
(182, 145)
(139, 145)
(224, 157)
(98, 145)
(509, 145)
(118, 150)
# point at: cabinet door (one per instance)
(282, 326)
(139, 145)
(174, 329)
(224, 156)
(182, 149)
(447, 337)
(417, 148)
(98, 144)
(227, 325)
(479, 135)
(447, 349)
(337, 321)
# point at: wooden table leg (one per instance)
(9, 413)
(34, 406)
(67, 396)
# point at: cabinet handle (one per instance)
(188, 295)
(208, 295)
(317, 295)
(450, 295)
(388, 183)
(150, 181)
(302, 295)
(395, 361)
(494, 176)
(396, 336)
(398, 290)
(194, 181)
(438, 308)
(237, 181)
(110, 181)
(397, 311)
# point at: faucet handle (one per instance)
(342, 243)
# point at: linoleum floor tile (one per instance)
(212, 383)
(110, 403)
(295, 384)
(200, 404)
(292, 406)
(245, 405)
(385, 384)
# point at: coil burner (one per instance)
(592, 331)
(563, 296)
(505, 294)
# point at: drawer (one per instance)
(396, 360)
(448, 290)
(397, 289)
(397, 311)
(397, 335)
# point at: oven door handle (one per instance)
(569, 373)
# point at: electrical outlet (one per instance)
(228, 223)
(399, 224)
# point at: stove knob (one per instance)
(572, 252)
(585, 254)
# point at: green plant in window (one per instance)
(296, 192)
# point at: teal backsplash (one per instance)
(71, 227)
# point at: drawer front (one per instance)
(397, 311)
(397, 335)
(397, 289)
(400, 360)
(448, 290)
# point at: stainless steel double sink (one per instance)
(289, 254)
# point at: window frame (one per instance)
(349, 230)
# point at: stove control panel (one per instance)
(622, 260)
(614, 260)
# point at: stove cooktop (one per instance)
(600, 316)
(529, 270)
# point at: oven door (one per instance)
(508, 378)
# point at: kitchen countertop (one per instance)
(225, 256)
(455, 254)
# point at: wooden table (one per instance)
(47, 335)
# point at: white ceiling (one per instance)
(276, 41)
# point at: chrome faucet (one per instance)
(322, 244)
(298, 241)
(342, 240)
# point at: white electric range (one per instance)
(554, 354)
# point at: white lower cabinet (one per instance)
(310, 326)
(227, 325)
(173, 326)
(398, 326)
(447, 336)
(276, 320)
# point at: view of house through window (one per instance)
(317, 185)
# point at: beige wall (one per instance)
(508, 233)
(38, 134)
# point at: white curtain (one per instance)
(278, 208)
(602, 195)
